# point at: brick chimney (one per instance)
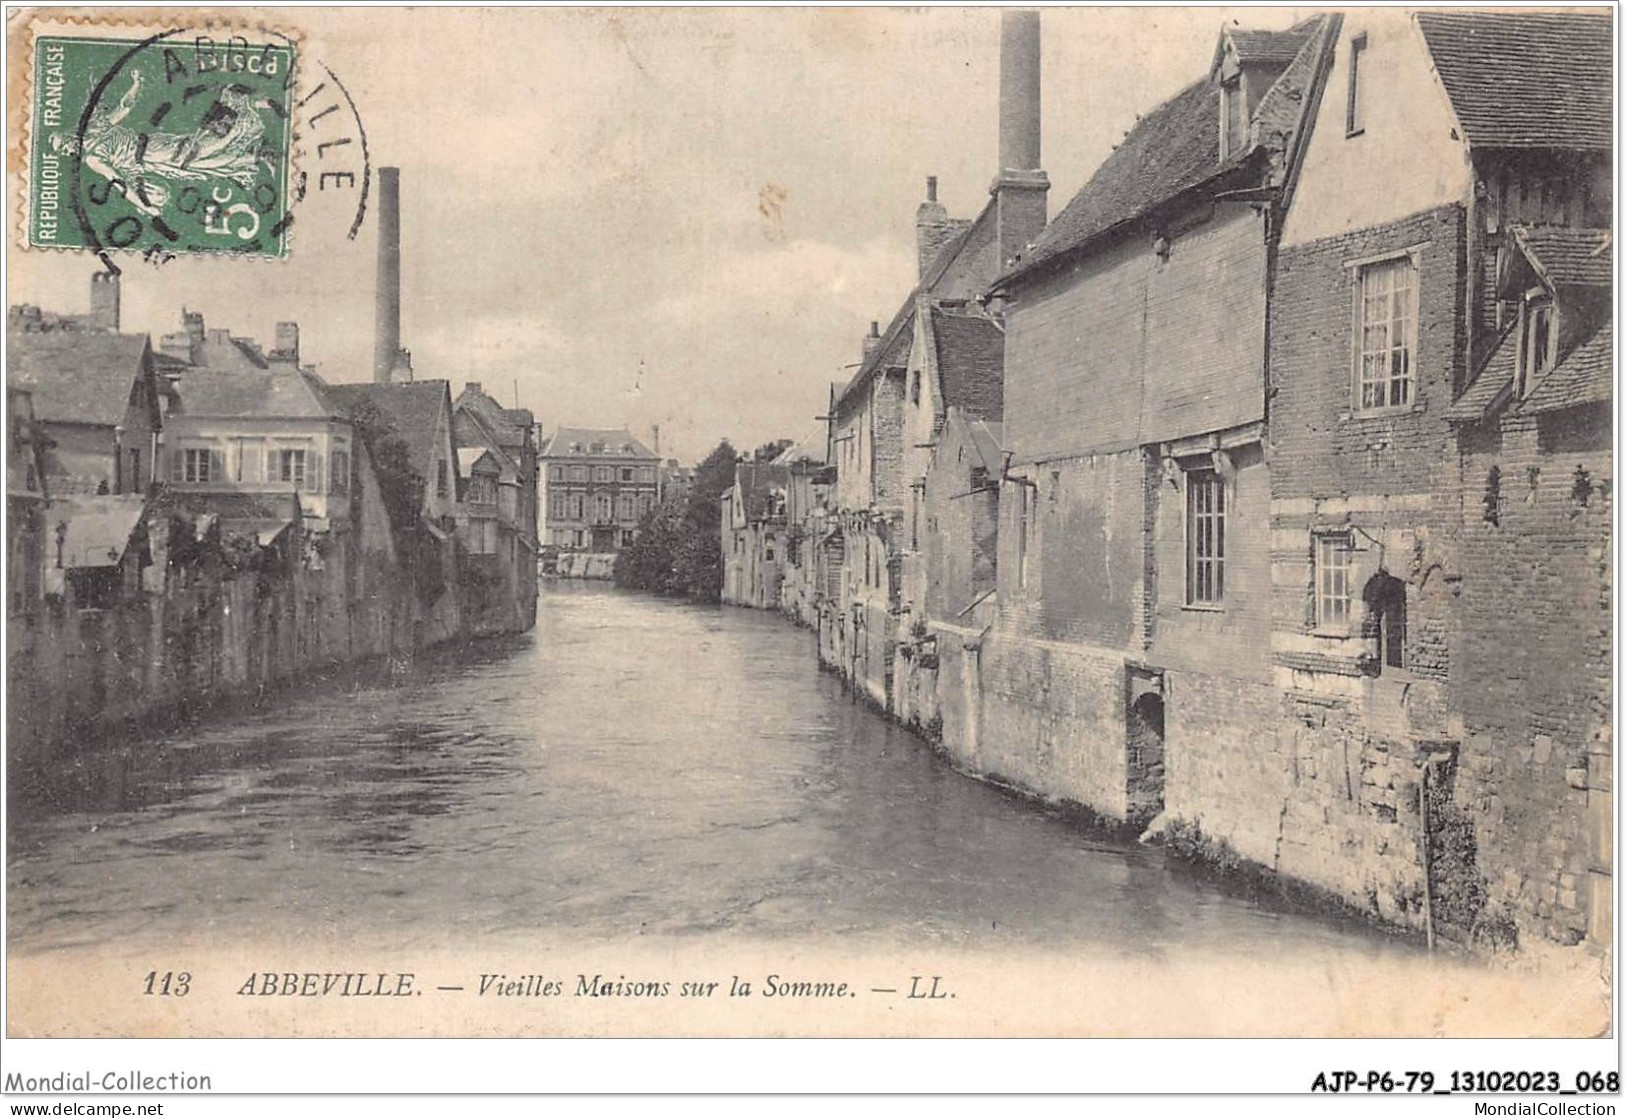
(932, 228)
(104, 297)
(1021, 186)
(871, 340)
(285, 352)
(386, 354)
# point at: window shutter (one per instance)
(313, 479)
(177, 465)
(217, 466)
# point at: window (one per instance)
(603, 473)
(646, 503)
(1385, 332)
(1024, 515)
(648, 474)
(1233, 115)
(558, 506)
(626, 507)
(482, 490)
(578, 506)
(767, 549)
(135, 470)
(1538, 342)
(628, 473)
(341, 472)
(601, 508)
(290, 467)
(195, 466)
(558, 473)
(1355, 123)
(1332, 555)
(578, 473)
(1204, 538)
(442, 479)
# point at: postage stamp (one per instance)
(178, 142)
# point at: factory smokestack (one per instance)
(387, 343)
(1021, 185)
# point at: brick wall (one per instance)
(1532, 678)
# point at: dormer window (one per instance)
(1538, 342)
(1232, 118)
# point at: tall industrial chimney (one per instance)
(387, 343)
(1021, 185)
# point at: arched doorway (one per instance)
(1384, 622)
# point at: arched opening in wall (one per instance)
(1384, 622)
(1144, 725)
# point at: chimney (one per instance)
(192, 323)
(655, 430)
(871, 340)
(474, 386)
(932, 226)
(285, 351)
(1021, 186)
(104, 292)
(386, 354)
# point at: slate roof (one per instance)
(77, 378)
(1268, 47)
(1526, 79)
(508, 425)
(1569, 257)
(259, 394)
(755, 482)
(559, 442)
(412, 406)
(1585, 376)
(230, 355)
(1171, 149)
(970, 362)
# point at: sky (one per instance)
(655, 216)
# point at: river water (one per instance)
(632, 767)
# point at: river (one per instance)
(633, 767)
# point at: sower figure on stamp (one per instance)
(142, 165)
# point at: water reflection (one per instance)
(633, 767)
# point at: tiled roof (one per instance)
(1526, 79)
(1585, 376)
(1267, 47)
(970, 362)
(259, 394)
(809, 449)
(1494, 377)
(76, 378)
(1171, 149)
(1569, 257)
(412, 406)
(898, 340)
(230, 355)
(559, 444)
(755, 482)
(508, 425)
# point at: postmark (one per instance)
(177, 142)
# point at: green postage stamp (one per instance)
(175, 143)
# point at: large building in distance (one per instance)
(596, 486)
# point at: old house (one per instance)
(596, 485)
(1440, 627)
(97, 398)
(958, 259)
(406, 427)
(497, 523)
(755, 530)
(807, 518)
(950, 551)
(1128, 670)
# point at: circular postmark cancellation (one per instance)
(175, 143)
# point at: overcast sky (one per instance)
(583, 195)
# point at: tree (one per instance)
(678, 549)
(771, 450)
